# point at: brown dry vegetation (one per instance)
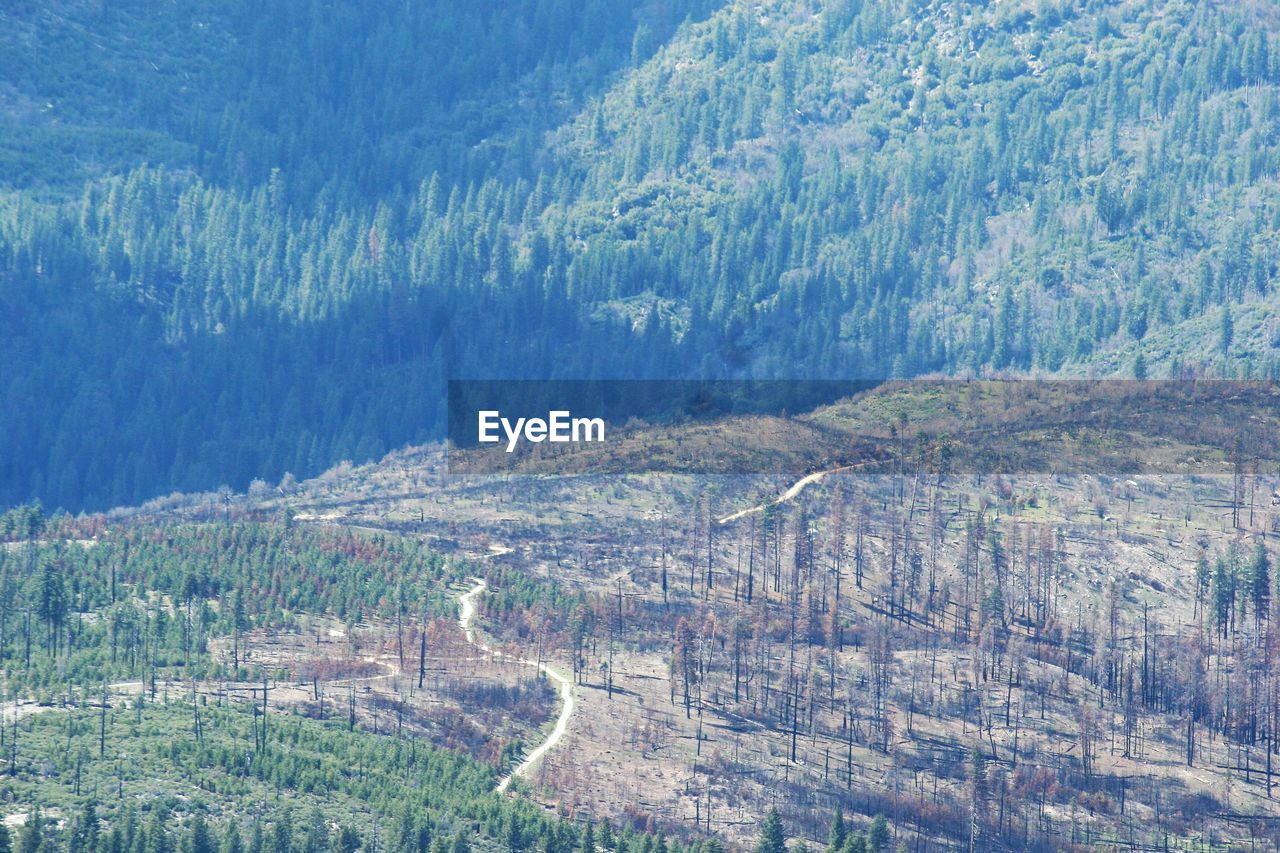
(451, 696)
(1095, 698)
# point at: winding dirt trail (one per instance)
(466, 615)
(796, 488)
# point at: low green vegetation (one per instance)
(121, 752)
(142, 602)
(155, 778)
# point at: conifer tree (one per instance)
(200, 840)
(157, 839)
(31, 839)
(838, 833)
(878, 835)
(460, 842)
(231, 841)
(1259, 582)
(773, 838)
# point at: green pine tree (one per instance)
(515, 838)
(856, 843)
(158, 840)
(773, 838)
(31, 839)
(317, 837)
(347, 840)
(1259, 581)
(200, 840)
(1222, 593)
(878, 835)
(460, 842)
(1203, 578)
(231, 840)
(84, 836)
(836, 837)
(282, 833)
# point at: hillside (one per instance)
(886, 549)
(218, 250)
(1027, 659)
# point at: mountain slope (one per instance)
(892, 188)
(346, 204)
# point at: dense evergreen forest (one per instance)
(238, 241)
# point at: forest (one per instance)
(131, 657)
(990, 657)
(108, 631)
(250, 604)
(220, 260)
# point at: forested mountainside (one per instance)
(239, 240)
(124, 725)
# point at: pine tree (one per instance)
(1259, 582)
(515, 838)
(1004, 330)
(1204, 576)
(836, 838)
(993, 604)
(257, 841)
(231, 841)
(31, 839)
(200, 839)
(773, 838)
(878, 835)
(282, 833)
(84, 836)
(317, 837)
(348, 840)
(1222, 594)
(407, 832)
(158, 840)
(53, 603)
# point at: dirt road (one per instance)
(19, 708)
(796, 488)
(466, 615)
